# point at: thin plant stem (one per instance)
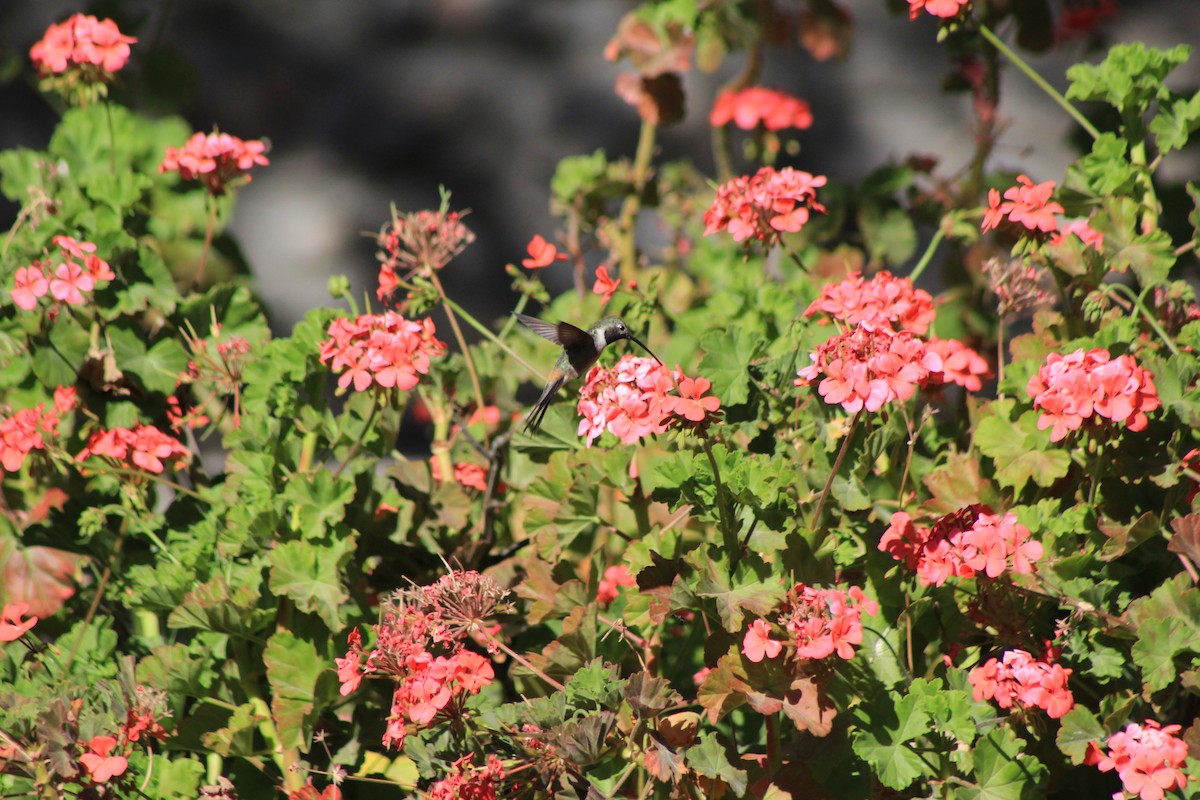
(515, 656)
(358, 439)
(727, 532)
(1146, 315)
(138, 473)
(927, 256)
(477, 325)
(198, 279)
(462, 342)
(112, 138)
(1041, 83)
(100, 586)
(633, 202)
(1000, 360)
(837, 465)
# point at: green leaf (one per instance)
(889, 233)
(727, 356)
(217, 606)
(887, 725)
(158, 368)
(175, 778)
(1129, 78)
(1168, 623)
(311, 576)
(293, 667)
(1019, 449)
(1002, 769)
(59, 362)
(1175, 122)
(1076, 730)
(708, 757)
(746, 592)
(597, 685)
(318, 502)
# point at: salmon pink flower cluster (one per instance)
(938, 8)
(419, 644)
(1019, 680)
(144, 447)
(606, 285)
(1148, 758)
(615, 577)
(93, 49)
(766, 205)
(27, 429)
(1084, 385)
(468, 782)
(64, 275)
(757, 105)
(822, 622)
(965, 544)
(1027, 204)
(865, 369)
(624, 400)
(100, 766)
(215, 159)
(884, 301)
(1080, 229)
(384, 350)
(960, 364)
(541, 254)
(12, 627)
(418, 241)
(692, 403)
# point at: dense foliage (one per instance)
(849, 538)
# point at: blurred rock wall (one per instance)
(376, 101)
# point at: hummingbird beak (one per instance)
(638, 342)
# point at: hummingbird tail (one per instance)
(534, 420)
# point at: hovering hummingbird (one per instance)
(580, 350)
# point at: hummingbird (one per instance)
(580, 350)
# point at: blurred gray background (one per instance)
(376, 101)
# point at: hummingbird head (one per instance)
(613, 329)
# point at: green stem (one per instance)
(727, 532)
(358, 439)
(477, 325)
(1146, 315)
(837, 465)
(114, 470)
(1039, 81)
(112, 138)
(927, 256)
(633, 202)
(198, 279)
(1137, 156)
(462, 343)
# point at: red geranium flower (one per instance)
(541, 254)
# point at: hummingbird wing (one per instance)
(564, 334)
